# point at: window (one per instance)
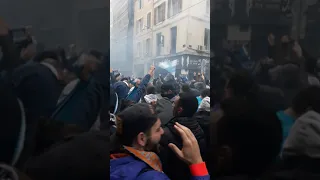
(160, 43)
(173, 49)
(148, 47)
(207, 39)
(139, 25)
(174, 7)
(149, 20)
(138, 49)
(140, 4)
(159, 13)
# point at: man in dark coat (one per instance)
(185, 106)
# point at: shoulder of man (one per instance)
(153, 175)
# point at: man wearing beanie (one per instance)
(132, 155)
(122, 88)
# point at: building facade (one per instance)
(119, 26)
(249, 22)
(167, 30)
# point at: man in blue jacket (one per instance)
(138, 91)
(137, 137)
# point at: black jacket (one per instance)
(81, 157)
(203, 118)
(39, 90)
(172, 166)
(164, 110)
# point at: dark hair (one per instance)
(125, 79)
(96, 54)
(23, 44)
(124, 104)
(242, 84)
(189, 104)
(185, 88)
(167, 86)
(133, 120)
(307, 98)
(205, 93)
(249, 132)
(151, 90)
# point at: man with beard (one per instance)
(185, 106)
(136, 140)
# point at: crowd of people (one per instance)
(263, 122)
(54, 102)
(152, 117)
(66, 115)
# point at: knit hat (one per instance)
(205, 104)
(12, 129)
(134, 120)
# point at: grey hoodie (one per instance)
(304, 137)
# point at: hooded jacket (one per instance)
(301, 151)
(136, 94)
(173, 166)
(122, 89)
(303, 139)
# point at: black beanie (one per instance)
(134, 120)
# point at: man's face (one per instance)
(155, 136)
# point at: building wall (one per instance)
(190, 22)
(142, 36)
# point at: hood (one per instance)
(303, 139)
(205, 104)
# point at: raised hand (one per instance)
(190, 152)
(151, 71)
